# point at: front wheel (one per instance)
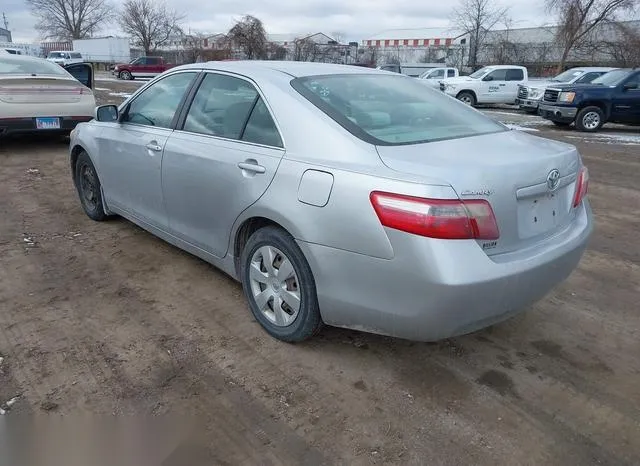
(89, 188)
(126, 75)
(279, 286)
(467, 98)
(590, 119)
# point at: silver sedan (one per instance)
(340, 195)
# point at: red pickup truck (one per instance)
(143, 67)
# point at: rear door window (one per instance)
(451, 73)
(515, 75)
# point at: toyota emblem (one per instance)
(553, 179)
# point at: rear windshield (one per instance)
(15, 64)
(393, 110)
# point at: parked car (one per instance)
(489, 85)
(337, 194)
(410, 69)
(64, 58)
(142, 67)
(531, 93)
(39, 96)
(612, 98)
(435, 75)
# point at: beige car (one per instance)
(42, 97)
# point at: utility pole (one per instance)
(4, 20)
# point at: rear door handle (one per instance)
(252, 167)
(154, 146)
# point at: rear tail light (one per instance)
(582, 184)
(436, 218)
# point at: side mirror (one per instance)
(630, 86)
(488, 78)
(107, 113)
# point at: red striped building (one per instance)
(424, 37)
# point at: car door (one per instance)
(220, 162)
(83, 72)
(626, 101)
(130, 151)
(139, 67)
(492, 86)
(513, 78)
(154, 66)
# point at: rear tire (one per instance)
(279, 286)
(89, 188)
(126, 75)
(467, 98)
(590, 119)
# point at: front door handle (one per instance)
(154, 146)
(252, 167)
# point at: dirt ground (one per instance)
(105, 318)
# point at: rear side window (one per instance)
(515, 75)
(451, 73)
(392, 110)
(230, 107)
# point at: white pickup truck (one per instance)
(433, 76)
(489, 85)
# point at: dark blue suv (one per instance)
(612, 98)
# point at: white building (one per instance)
(443, 45)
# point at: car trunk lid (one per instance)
(529, 181)
(40, 90)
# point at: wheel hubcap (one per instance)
(466, 99)
(274, 285)
(591, 120)
(88, 187)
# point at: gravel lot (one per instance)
(105, 318)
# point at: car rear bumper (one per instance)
(433, 293)
(557, 113)
(9, 126)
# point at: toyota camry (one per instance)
(340, 195)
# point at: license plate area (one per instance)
(46, 123)
(540, 214)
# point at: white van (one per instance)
(64, 58)
(410, 69)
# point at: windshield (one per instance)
(56, 55)
(392, 110)
(14, 64)
(567, 76)
(612, 78)
(480, 73)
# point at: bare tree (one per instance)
(623, 49)
(149, 22)
(306, 50)
(70, 19)
(193, 45)
(579, 18)
(476, 18)
(249, 35)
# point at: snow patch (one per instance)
(126, 95)
(620, 139)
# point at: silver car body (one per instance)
(199, 192)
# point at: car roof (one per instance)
(594, 68)
(499, 67)
(292, 68)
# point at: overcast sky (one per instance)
(354, 18)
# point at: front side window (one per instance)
(498, 75)
(612, 78)
(153, 60)
(436, 74)
(588, 77)
(76, 55)
(633, 83)
(392, 110)
(157, 105)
